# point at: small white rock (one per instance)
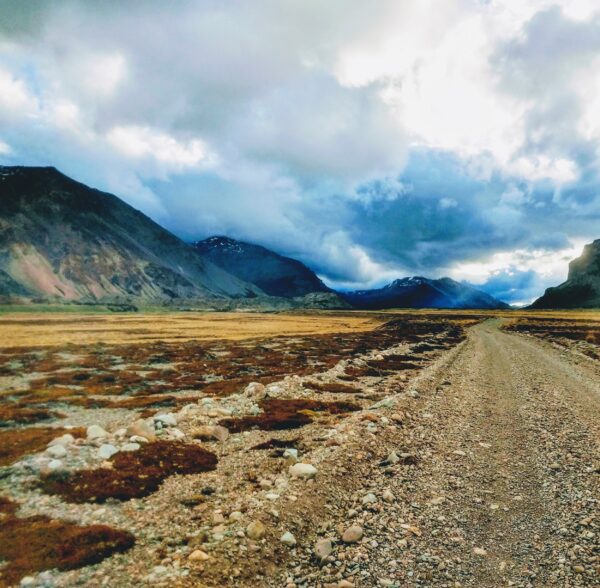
(130, 447)
(96, 432)
(106, 451)
(166, 419)
(303, 470)
(288, 539)
(65, 439)
(56, 451)
(55, 464)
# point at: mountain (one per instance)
(274, 274)
(582, 288)
(419, 292)
(60, 240)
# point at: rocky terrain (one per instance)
(419, 292)
(432, 450)
(582, 288)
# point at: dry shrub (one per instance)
(16, 443)
(133, 475)
(280, 414)
(35, 544)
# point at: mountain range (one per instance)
(63, 241)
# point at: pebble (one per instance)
(479, 551)
(208, 432)
(303, 470)
(167, 419)
(288, 539)
(106, 451)
(388, 496)
(323, 549)
(141, 428)
(65, 439)
(352, 534)
(369, 498)
(56, 451)
(130, 447)
(96, 432)
(256, 530)
(55, 464)
(198, 555)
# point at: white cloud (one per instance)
(141, 143)
(5, 148)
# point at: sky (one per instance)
(371, 139)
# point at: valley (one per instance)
(330, 449)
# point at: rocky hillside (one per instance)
(582, 288)
(419, 292)
(60, 240)
(274, 274)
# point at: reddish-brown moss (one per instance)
(16, 443)
(38, 543)
(133, 475)
(280, 414)
(333, 387)
(15, 414)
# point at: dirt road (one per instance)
(504, 430)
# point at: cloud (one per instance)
(368, 138)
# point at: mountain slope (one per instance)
(582, 288)
(274, 274)
(419, 292)
(61, 240)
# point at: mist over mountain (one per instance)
(420, 292)
(582, 287)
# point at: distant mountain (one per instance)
(582, 288)
(419, 292)
(61, 240)
(274, 274)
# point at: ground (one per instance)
(448, 449)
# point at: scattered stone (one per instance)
(130, 447)
(167, 419)
(96, 432)
(65, 439)
(479, 551)
(323, 549)
(288, 539)
(55, 464)
(107, 450)
(209, 433)
(198, 555)
(388, 496)
(303, 470)
(369, 498)
(141, 428)
(255, 390)
(352, 534)
(56, 451)
(256, 530)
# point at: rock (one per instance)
(166, 419)
(323, 549)
(256, 530)
(388, 495)
(55, 464)
(392, 458)
(176, 434)
(106, 451)
(369, 498)
(288, 539)
(255, 390)
(272, 496)
(198, 555)
(235, 516)
(352, 534)
(130, 447)
(27, 581)
(208, 433)
(141, 428)
(290, 452)
(96, 432)
(345, 584)
(56, 451)
(63, 440)
(479, 551)
(303, 470)
(138, 439)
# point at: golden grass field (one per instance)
(58, 329)
(49, 329)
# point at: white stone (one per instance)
(130, 447)
(175, 433)
(303, 470)
(166, 419)
(55, 464)
(138, 439)
(56, 451)
(288, 539)
(255, 390)
(96, 432)
(293, 453)
(65, 439)
(272, 496)
(106, 451)
(369, 498)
